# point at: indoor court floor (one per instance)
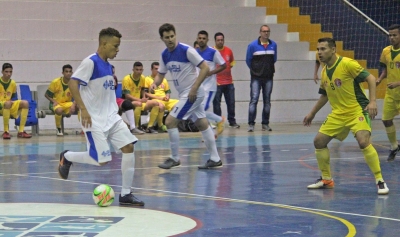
(259, 191)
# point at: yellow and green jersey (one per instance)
(390, 59)
(59, 91)
(8, 90)
(162, 89)
(342, 84)
(133, 87)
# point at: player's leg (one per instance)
(6, 118)
(98, 152)
(208, 99)
(209, 140)
(255, 88)
(217, 101)
(390, 110)
(229, 95)
(58, 112)
(121, 138)
(362, 131)
(127, 108)
(172, 122)
(266, 90)
(332, 127)
(152, 106)
(23, 106)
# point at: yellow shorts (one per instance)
(391, 108)
(338, 126)
(14, 111)
(66, 106)
(169, 104)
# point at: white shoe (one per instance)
(382, 188)
(59, 134)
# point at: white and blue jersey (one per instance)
(98, 92)
(182, 63)
(212, 57)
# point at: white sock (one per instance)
(131, 118)
(80, 157)
(128, 171)
(209, 141)
(213, 117)
(174, 142)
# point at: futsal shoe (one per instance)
(265, 127)
(131, 200)
(64, 166)
(210, 164)
(24, 135)
(6, 136)
(322, 184)
(382, 188)
(251, 128)
(169, 163)
(393, 153)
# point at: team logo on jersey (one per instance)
(361, 119)
(68, 94)
(174, 68)
(397, 65)
(338, 82)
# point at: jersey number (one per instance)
(332, 86)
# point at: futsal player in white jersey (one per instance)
(181, 61)
(213, 58)
(92, 87)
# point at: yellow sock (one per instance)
(323, 159)
(391, 134)
(372, 159)
(24, 117)
(137, 112)
(153, 116)
(160, 118)
(6, 119)
(58, 120)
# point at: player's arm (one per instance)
(49, 95)
(383, 74)
(204, 69)
(323, 99)
(217, 69)
(371, 107)
(316, 67)
(130, 97)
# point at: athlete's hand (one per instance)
(86, 120)
(316, 79)
(372, 109)
(392, 85)
(192, 95)
(152, 88)
(307, 120)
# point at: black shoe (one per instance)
(129, 199)
(234, 125)
(64, 166)
(151, 130)
(210, 164)
(169, 163)
(392, 154)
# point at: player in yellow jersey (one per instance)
(351, 111)
(133, 89)
(390, 63)
(161, 95)
(10, 105)
(60, 97)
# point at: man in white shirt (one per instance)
(92, 87)
(212, 57)
(181, 61)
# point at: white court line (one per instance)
(29, 162)
(285, 150)
(6, 163)
(230, 199)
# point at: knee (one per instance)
(363, 143)
(126, 105)
(58, 111)
(7, 104)
(387, 123)
(24, 104)
(319, 144)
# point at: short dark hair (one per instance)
(394, 26)
(194, 43)
(331, 42)
(66, 66)
(203, 32)
(154, 64)
(138, 64)
(109, 32)
(6, 65)
(167, 27)
(264, 26)
(218, 34)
